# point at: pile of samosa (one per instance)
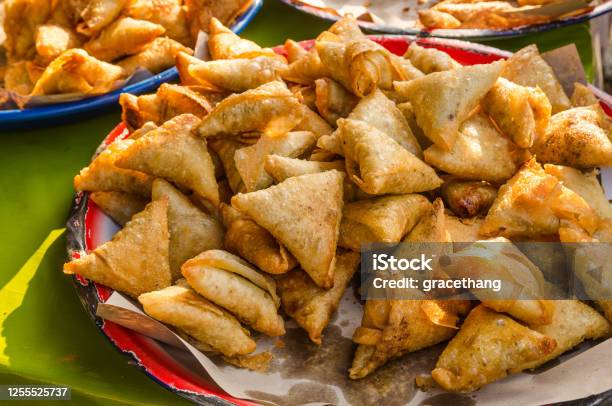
(89, 46)
(247, 192)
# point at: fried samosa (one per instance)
(119, 206)
(531, 204)
(157, 56)
(182, 61)
(479, 152)
(313, 122)
(312, 239)
(170, 101)
(250, 160)
(527, 68)
(585, 184)
(431, 226)
(392, 328)
(103, 175)
(170, 14)
(176, 155)
(383, 219)
(136, 260)
(294, 50)
(434, 19)
(579, 137)
(463, 230)
(488, 347)
(192, 231)
(238, 75)
(99, 14)
(379, 165)
(333, 101)
(231, 283)
(52, 40)
(468, 198)
(125, 36)
(522, 113)
(572, 323)
(213, 328)
(281, 168)
(74, 71)
(309, 305)
(254, 243)
(306, 69)
(21, 19)
(224, 44)
(429, 60)
(523, 285)
(270, 108)
(361, 65)
(443, 100)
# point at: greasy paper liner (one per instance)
(398, 21)
(302, 372)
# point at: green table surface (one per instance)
(45, 335)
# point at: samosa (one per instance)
(270, 108)
(379, 165)
(214, 328)
(177, 156)
(250, 160)
(443, 100)
(191, 230)
(311, 306)
(480, 152)
(489, 346)
(429, 60)
(119, 206)
(136, 260)
(231, 283)
(383, 219)
(254, 243)
(311, 238)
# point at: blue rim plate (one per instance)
(461, 33)
(35, 116)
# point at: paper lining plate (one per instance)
(89, 227)
(396, 27)
(56, 113)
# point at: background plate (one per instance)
(88, 227)
(62, 112)
(601, 9)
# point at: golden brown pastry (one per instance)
(250, 160)
(215, 329)
(170, 14)
(379, 165)
(585, 184)
(380, 220)
(98, 14)
(231, 283)
(238, 75)
(429, 60)
(583, 96)
(309, 305)
(443, 100)
(74, 71)
(224, 44)
(119, 206)
(488, 347)
(479, 152)
(157, 56)
(579, 137)
(522, 113)
(270, 108)
(135, 261)
(526, 67)
(192, 231)
(333, 101)
(254, 243)
(312, 239)
(103, 175)
(392, 328)
(52, 40)
(125, 36)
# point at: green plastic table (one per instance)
(45, 335)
